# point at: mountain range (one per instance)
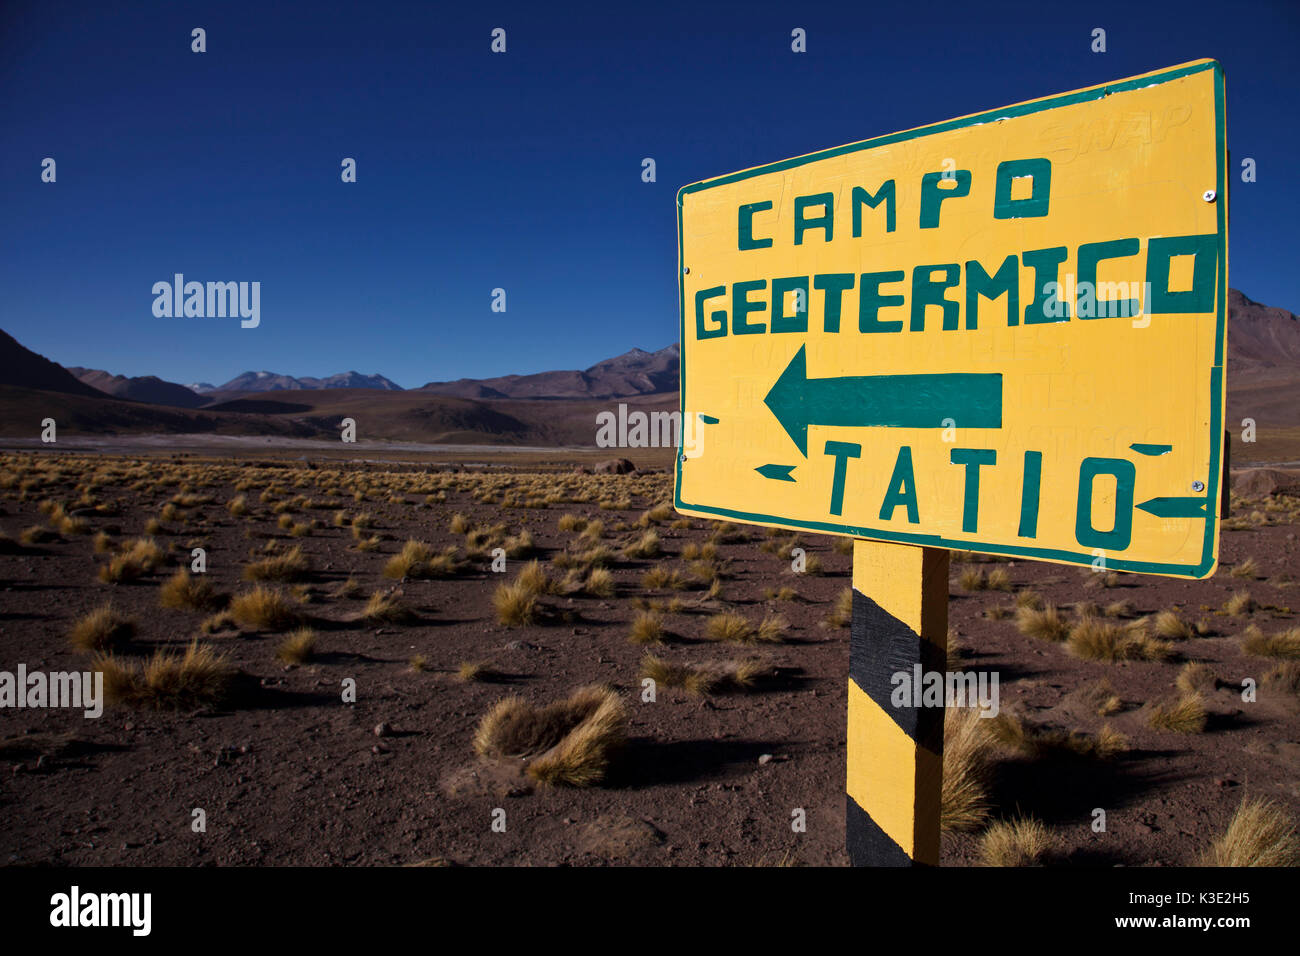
(631, 374)
(275, 382)
(544, 408)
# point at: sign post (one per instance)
(1002, 333)
(895, 754)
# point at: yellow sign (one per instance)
(1002, 333)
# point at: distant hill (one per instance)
(142, 388)
(628, 375)
(274, 382)
(21, 367)
(1261, 336)
(543, 409)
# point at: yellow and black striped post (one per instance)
(895, 753)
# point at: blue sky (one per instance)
(520, 171)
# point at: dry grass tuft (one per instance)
(647, 628)
(1102, 698)
(842, 613)
(737, 629)
(693, 680)
(1122, 608)
(1260, 834)
(599, 583)
(1285, 678)
(387, 608)
(1186, 715)
(647, 546)
(967, 766)
(1095, 639)
(199, 677)
(292, 565)
(1240, 603)
(570, 741)
(1028, 599)
(1172, 627)
(264, 609)
(1246, 569)
(660, 578)
(136, 559)
(1037, 743)
(516, 604)
(1045, 623)
(1019, 842)
(571, 522)
(184, 591)
(471, 671)
(1196, 677)
(103, 629)
(35, 535)
(998, 580)
(417, 560)
(298, 647)
(1285, 645)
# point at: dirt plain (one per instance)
(292, 775)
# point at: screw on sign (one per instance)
(971, 335)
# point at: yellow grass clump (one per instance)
(264, 609)
(1196, 677)
(1240, 603)
(1186, 715)
(841, 614)
(647, 628)
(387, 608)
(136, 559)
(1260, 834)
(515, 604)
(1044, 623)
(1285, 645)
(1169, 625)
(1096, 639)
(199, 677)
(298, 647)
(291, 565)
(184, 591)
(701, 680)
(569, 742)
(967, 764)
(1019, 842)
(103, 629)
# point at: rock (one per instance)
(1143, 828)
(1266, 481)
(615, 466)
(383, 730)
(764, 758)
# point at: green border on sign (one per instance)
(1199, 570)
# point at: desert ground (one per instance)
(227, 688)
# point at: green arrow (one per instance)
(970, 399)
(1176, 507)
(777, 472)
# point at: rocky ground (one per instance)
(287, 772)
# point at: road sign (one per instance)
(1002, 333)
